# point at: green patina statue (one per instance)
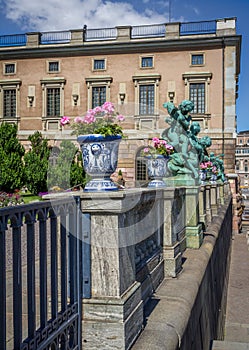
(190, 150)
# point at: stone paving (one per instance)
(237, 315)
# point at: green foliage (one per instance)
(36, 164)
(68, 171)
(11, 155)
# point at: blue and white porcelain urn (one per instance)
(157, 170)
(100, 158)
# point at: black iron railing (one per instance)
(148, 31)
(205, 27)
(101, 34)
(41, 275)
(55, 37)
(144, 31)
(13, 40)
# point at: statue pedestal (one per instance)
(181, 180)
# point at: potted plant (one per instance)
(205, 171)
(99, 134)
(157, 157)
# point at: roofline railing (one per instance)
(175, 30)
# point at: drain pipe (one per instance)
(223, 98)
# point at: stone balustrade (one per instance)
(138, 238)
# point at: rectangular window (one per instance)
(197, 96)
(53, 102)
(197, 60)
(98, 95)
(99, 64)
(53, 66)
(9, 68)
(146, 99)
(147, 62)
(9, 103)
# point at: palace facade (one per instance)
(44, 76)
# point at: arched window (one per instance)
(141, 169)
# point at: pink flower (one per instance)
(120, 118)
(169, 147)
(65, 120)
(203, 166)
(155, 140)
(89, 118)
(108, 107)
(97, 110)
(79, 120)
(146, 150)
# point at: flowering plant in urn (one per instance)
(99, 134)
(160, 147)
(157, 157)
(99, 120)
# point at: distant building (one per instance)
(242, 157)
(44, 76)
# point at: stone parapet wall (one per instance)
(140, 239)
(188, 312)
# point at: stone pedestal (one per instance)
(112, 323)
(222, 194)
(208, 203)
(202, 206)
(174, 240)
(126, 264)
(214, 201)
(194, 232)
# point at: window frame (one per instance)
(143, 121)
(97, 82)
(53, 71)
(199, 77)
(197, 54)
(5, 65)
(146, 57)
(140, 162)
(48, 121)
(98, 69)
(200, 106)
(10, 84)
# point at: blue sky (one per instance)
(20, 16)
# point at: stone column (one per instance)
(76, 37)
(173, 230)
(202, 206)
(222, 195)
(214, 202)
(194, 232)
(120, 222)
(208, 203)
(124, 33)
(33, 39)
(172, 31)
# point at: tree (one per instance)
(36, 164)
(68, 171)
(11, 155)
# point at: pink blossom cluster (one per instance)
(106, 111)
(162, 144)
(214, 169)
(159, 147)
(206, 165)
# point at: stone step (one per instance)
(229, 345)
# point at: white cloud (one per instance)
(48, 15)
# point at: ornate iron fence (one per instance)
(41, 269)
